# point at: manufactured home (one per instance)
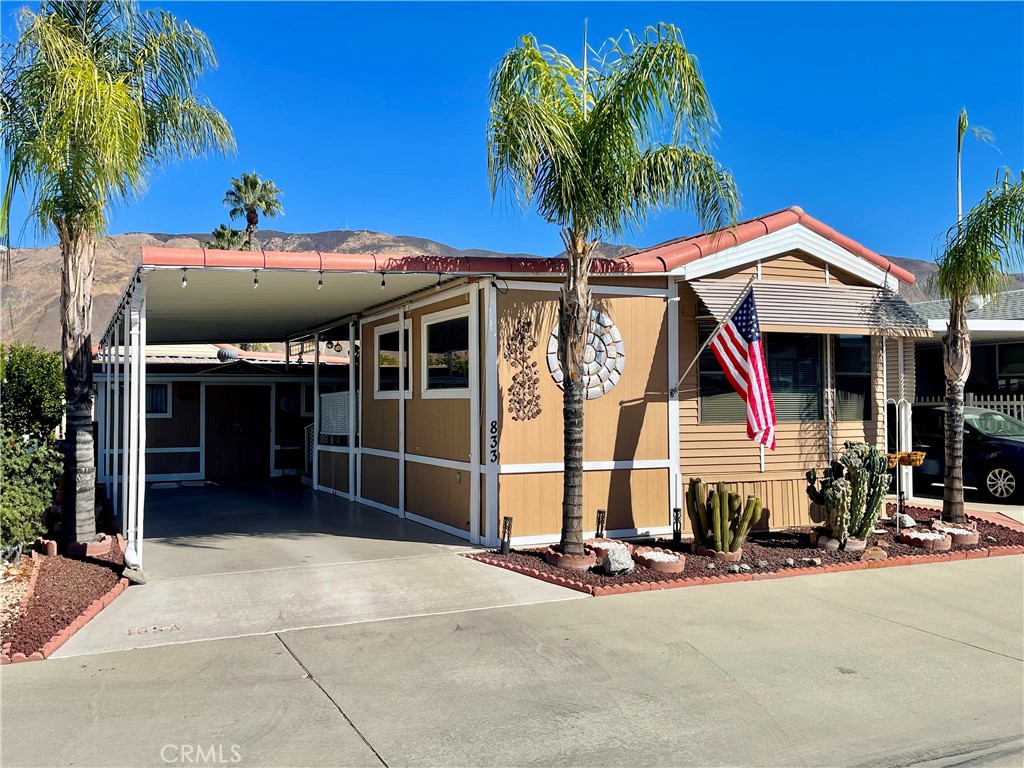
(449, 410)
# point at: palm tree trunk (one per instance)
(78, 249)
(956, 358)
(573, 326)
(252, 220)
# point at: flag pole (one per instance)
(724, 320)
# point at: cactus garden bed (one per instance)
(765, 555)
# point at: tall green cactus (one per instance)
(852, 490)
(719, 518)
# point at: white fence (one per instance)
(1012, 405)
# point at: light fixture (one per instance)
(255, 279)
(184, 278)
(300, 361)
(382, 283)
(437, 285)
(602, 516)
(337, 346)
(320, 282)
(506, 535)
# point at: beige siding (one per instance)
(379, 417)
(896, 389)
(634, 499)
(438, 493)
(380, 480)
(334, 470)
(630, 422)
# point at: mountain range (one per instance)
(31, 292)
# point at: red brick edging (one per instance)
(693, 581)
(61, 637)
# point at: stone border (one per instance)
(693, 581)
(61, 637)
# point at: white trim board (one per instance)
(588, 466)
(794, 237)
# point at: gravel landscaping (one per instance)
(763, 552)
(64, 590)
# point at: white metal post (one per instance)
(126, 418)
(474, 413)
(316, 411)
(829, 415)
(115, 427)
(490, 450)
(352, 406)
(137, 408)
(140, 474)
(362, 396)
(101, 417)
(402, 352)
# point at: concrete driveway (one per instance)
(917, 666)
(250, 560)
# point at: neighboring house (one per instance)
(216, 412)
(454, 410)
(997, 352)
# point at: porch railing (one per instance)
(1011, 405)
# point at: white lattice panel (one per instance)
(334, 413)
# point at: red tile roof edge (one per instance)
(663, 257)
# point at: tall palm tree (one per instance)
(980, 251)
(225, 239)
(248, 197)
(95, 96)
(597, 149)
(981, 134)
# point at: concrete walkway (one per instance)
(895, 667)
(231, 562)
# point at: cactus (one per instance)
(719, 517)
(852, 490)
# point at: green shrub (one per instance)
(29, 468)
(32, 396)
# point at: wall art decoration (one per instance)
(604, 358)
(523, 393)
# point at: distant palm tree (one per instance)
(980, 251)
(597, 149)
(248, 197)
(95, 96)
(226, 239)
(981, 134)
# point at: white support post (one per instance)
(490, 450)
(140, 476)
(362, 396)
(675, 478)
(906, 428)
(352, 406)
(316, 411)
(474, 413)
(101, 417)
(126, 418)
(402, 363)
(136, 432)
(115, 427)
(829, 412)
(885, 396)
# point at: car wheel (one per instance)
(1001, 484)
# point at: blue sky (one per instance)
(372, 116)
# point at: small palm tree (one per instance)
(981, 134)
(597, 149)
(980, 251)
(248, 197)
(226, 239)
(95, 96)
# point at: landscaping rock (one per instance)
(991, 538)
(617, 561)
(874, 553)
(744, 567)
(734, 568)
(762, 563)
(905, 520)
(134, 576)
(810, 560)
(790, 562)
(711, 566)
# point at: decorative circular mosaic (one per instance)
(603, 359)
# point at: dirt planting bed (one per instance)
(766, 554)
(64, 591)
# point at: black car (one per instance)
(993, 451)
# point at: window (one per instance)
(158, 401)
(386, 373)
(852, 365)
(445, 366)
(794, 370)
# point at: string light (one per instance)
(320, 282)
(437, 285)
(382, 283)
(184, 278)
(255, 279)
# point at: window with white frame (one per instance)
(389, 361)
(852, 364)
(444, 364)
(158, 401)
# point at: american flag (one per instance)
(737, 345)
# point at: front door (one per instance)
(237, 433)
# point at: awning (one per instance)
(803, 307)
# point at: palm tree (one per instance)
(597, 149)
(95, 96)
(981, 134)
(250, 196)
(225, 239)
(980, 251)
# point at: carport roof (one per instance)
(260, 296)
